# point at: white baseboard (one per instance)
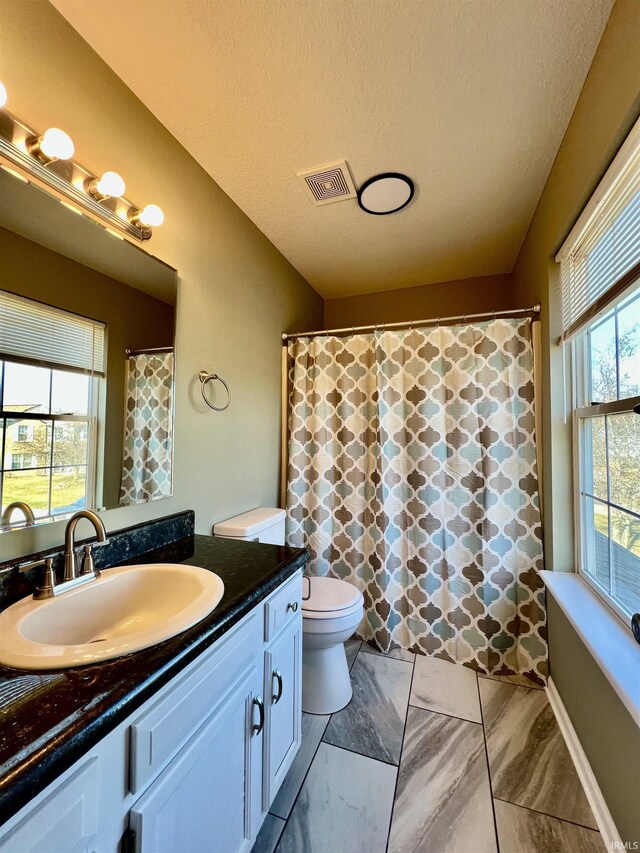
(607, 827)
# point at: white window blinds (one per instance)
(601, 257)
(37, 333)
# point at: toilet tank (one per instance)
(264, 524)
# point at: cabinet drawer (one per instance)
(163, 729)
(283, 606)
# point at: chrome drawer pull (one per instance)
(278, 677)
(260, 706)
(292, 605)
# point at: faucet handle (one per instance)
(88, 566)
(45, 561)
(49, 578)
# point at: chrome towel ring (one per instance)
(205, 377)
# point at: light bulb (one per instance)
(151, 216)
(55, 144)
(110, 184)
(3, 94)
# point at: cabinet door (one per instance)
(206, 798)
(283, 669)
(65, 822)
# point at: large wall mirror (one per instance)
(87, 324)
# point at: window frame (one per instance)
(90, 419)
(582, 410)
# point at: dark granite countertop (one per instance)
(48, 720)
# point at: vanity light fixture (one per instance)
(110, 185)
(54, 144)
(46, 160)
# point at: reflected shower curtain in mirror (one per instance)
(148, 428)
(412, 474)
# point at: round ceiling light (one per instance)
(385, 193)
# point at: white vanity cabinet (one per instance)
(196, 767)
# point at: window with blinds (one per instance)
(601, 317)
(51, 368)
(600, 260)
(39, 334)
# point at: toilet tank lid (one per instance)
(249, 523)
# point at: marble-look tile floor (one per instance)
(429, 757)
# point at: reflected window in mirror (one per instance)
(50, 375)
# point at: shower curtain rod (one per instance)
(130, 352)
(487, 315)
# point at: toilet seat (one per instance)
(331, 598)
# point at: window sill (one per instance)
(610, 644)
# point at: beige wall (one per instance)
(133, 319)
(236, 292)
(606, 110)
(445, 299)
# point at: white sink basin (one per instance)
(124, 610)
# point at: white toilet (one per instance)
(330, 615)
(331, 611)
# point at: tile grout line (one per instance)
(546, 814)
(444, 714)
(509, 684)
(367, 650)
(282, 829)
(361, 754)
(353, 752)
(486, 755)
(404, 732)
(355, 657)
(531, 686)
(532, 809)
(304, 779)
(389, 659)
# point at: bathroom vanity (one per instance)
(181, 746)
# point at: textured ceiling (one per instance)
(471, 98)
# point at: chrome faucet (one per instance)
(70, 562)
(26, 510)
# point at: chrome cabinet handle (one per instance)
(292, 605)
(276, 697)
(259, 704)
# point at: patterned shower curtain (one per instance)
(148, 428)
(412, 474)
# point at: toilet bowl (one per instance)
(330, 615)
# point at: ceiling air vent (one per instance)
(327, 184)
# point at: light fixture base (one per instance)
(134, 218)
(91, 186)
(33, 147)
